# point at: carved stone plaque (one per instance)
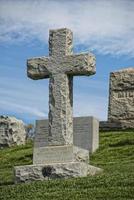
(121, 96)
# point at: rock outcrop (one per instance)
(12, 131)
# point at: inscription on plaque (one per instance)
(53, 154)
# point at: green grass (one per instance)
(115, 156)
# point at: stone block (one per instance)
(86, 133)
(121, 97)
(53, 154)
(42, 172)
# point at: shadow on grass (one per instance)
(7, 183)
(122, 143)
(25, 157)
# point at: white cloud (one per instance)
(101, 25)
(22, 109)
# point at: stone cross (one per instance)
(60, 67)
(55, 153)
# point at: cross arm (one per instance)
(80, 64)
(37, 68)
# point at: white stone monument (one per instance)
(57, 157)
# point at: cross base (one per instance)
(28, 173)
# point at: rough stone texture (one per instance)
(12, 131)
(85, 139)
(121, 98)
(80, 155)
(60, 67)
(30, 173)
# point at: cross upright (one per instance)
(60, 67)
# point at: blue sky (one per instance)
(102, 27)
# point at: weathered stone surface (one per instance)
(121, 97)
(30, 173)
(60, 67)
(81, 155)
(12, 131)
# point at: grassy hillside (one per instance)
(115, 156)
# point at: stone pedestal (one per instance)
(66, 161)
(30, 173)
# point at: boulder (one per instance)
(12, 131)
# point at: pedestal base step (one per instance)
(30, 173)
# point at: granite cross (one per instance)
(60, 67)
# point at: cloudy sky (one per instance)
(105, 28)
